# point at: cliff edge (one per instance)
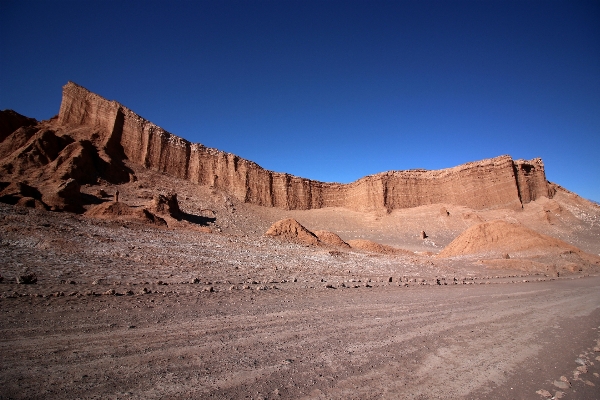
(119, 133)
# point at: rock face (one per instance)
(117, 133)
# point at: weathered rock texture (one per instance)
(120, 211)
(331, 239)
(166, 205)
(118, 132)
(292, 231)
(10, 121)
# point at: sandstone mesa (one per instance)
(92, 140)
(95, 135)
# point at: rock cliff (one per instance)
(499, 182)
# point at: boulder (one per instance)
(120, 211)
(166, 204)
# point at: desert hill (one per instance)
(95, 145)
(124, 246)
(503, 237)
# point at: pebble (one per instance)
(561, 384)
(544, 393)
(559, 395)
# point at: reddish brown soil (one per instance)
(175, 291)
(127, 309)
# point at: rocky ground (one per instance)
(120, 280)
(131, 310)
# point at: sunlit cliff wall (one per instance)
(493, 183)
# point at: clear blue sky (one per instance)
(329, 90)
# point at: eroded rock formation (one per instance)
(95, 134)
(292, 231)
(331, 239)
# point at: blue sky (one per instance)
(329, 90)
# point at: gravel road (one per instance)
(482, 341)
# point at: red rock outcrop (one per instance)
(118, 133)
(116, 210)
(292, 231)
(166, 204)
(11, 120)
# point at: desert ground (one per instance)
(213, 308)
(134, 264)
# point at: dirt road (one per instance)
(481, 341)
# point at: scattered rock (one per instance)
(27, 279)
(544, 393)
(561, 384)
